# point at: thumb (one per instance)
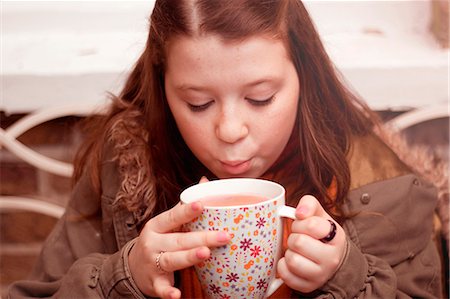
(309, 206)
(203, 179)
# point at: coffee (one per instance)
(232, 200)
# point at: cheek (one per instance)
(285, 116)
(182, 118)
(188, 129)
(282, 127)
(193, 132)
(279, 127)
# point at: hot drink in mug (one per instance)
(251, 210)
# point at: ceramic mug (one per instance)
(246, 266)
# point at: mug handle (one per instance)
(288, 212)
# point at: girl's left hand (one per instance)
(309, 262)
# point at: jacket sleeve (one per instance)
(96, 275)
(75, 262)
(390, 251)
(367, 276)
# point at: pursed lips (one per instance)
(233, 162)
(236, 166)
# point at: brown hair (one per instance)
(328, 114)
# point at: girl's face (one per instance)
(235, 104)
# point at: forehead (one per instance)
(208, 57)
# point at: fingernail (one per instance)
(173, 294)
(202, 253)
(302, 210)
(196, 206)
(223, 237)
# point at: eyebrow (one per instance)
(184, 86)
(189, 87)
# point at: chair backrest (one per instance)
(8, 139)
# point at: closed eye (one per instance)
(264, 102)
(199, 108)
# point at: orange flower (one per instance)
(211, 223)
(238, 218)
(269, 215)
(234, 247)
(257, 215)
(256, 232)
(250, 278)
(252, 288)
(225, 284)
(274, 232)
(219, 270)
(249, 264)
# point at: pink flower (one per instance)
(233, 277)
(260, 222)
(215, 289)
(255, 251)
(262, 284)
(246, 243)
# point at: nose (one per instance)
(231, 127)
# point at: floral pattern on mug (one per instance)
(244, 267)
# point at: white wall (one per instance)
(73, 52)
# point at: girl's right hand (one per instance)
(180, 250)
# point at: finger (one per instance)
(308, 247)
(164, 289)
(175, 217)
(309, 206)
(189, 240)
(319, 228)
(301, 266)
(293, 281)
(177, 260)
(203, 180)
(314, 226)
(328, 256)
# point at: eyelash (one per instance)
(199, 108)
(261, 102)
(258, 103)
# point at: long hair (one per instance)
(328, 114)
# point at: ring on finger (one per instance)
(158, 262)
(331, 234)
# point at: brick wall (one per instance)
(22, 233)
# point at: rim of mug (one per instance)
(187, 192)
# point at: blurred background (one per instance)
(59, 59)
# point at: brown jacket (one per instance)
(390, 250)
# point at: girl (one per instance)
(238, 88)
